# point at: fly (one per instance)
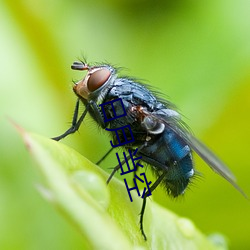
(162, 139)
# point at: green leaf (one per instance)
(104, 214)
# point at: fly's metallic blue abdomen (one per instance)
(169, 153)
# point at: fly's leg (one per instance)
(104, 156)
(75, 124)
(152, 188)
(116, 168)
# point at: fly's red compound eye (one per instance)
(97, 79)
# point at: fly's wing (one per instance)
(175, 124)
(212, 160)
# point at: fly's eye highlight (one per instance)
(97, 79)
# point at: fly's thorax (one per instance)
(94, 85)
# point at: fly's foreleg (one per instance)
(75, 123)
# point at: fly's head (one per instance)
(93, 84)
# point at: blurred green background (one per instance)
(196, 53)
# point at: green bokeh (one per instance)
(197, 53)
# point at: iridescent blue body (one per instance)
(163, 149)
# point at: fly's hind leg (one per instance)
(152, 188)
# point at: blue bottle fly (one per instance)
(162, 139)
